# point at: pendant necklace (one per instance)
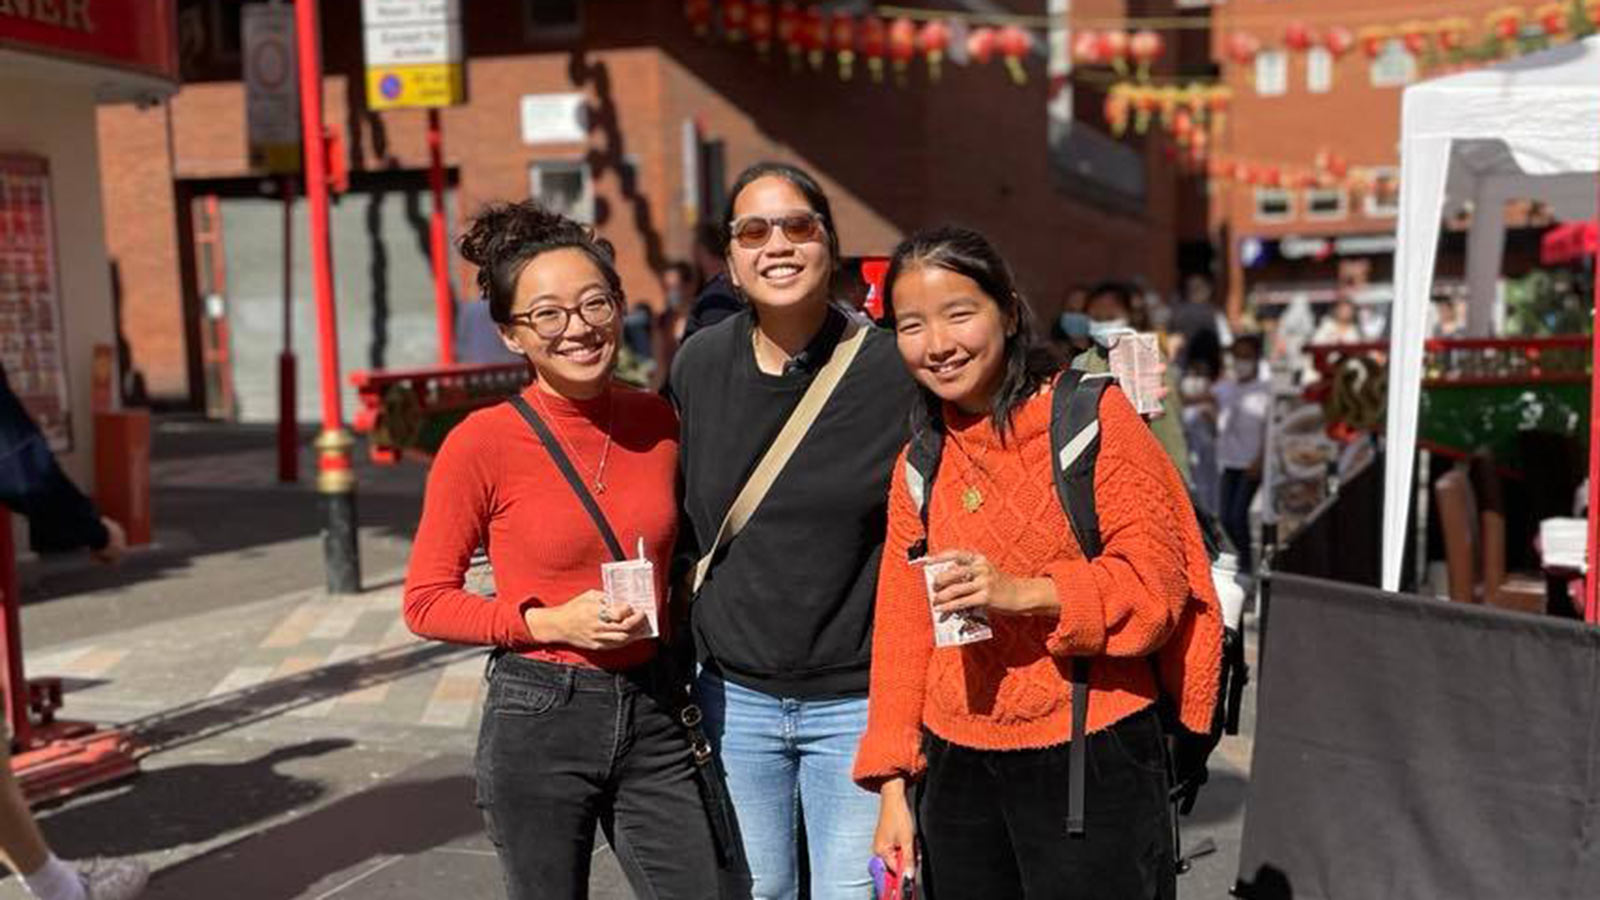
(972, 497)
(599, 473)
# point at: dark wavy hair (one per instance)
(504, 237)
(1028, 361)
(802, 181)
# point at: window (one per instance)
(1272, 73)
(563, 187)
(1394, 66)
(552, 20)
(1327, 203)
(1384, 200)
(1274, 205)
(1319, 70)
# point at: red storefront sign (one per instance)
(136, 35)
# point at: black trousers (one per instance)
(993, 823)
(1238, 490)
(562, 749)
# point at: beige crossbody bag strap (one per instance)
(783, 446)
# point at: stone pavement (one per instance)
(299, 745)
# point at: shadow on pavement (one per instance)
(1220, 800)
(186, 804)
(399, 819)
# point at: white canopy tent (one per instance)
(1525, 129)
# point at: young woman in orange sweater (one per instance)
(982, 728)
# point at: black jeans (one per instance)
(562, 749)
(993, 823)
(1238, 490)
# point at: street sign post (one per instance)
(272, 99)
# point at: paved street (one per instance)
(301, 745)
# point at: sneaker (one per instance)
(113, 879)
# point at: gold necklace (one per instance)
(971, 496)
(598, 474)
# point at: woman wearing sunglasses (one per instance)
(984, 725)
(576, 730)
(783, 619)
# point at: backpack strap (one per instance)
(923, 453)
(1075, 445)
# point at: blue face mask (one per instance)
(1075, 325)
(1105, 333)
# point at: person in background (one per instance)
(579, 724)
(717, 298)
(1244, 402)
(677, 288)
(1200, 432)
(478, 339)
(1111, 311)
(60, 519)
(983, 728)
(1339, 326)
(1070, 330)
(1197, 319)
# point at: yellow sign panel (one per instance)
(417, 86)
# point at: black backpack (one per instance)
(1075, 445)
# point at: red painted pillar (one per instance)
(443, 303)
(335, 478)
(16, 684)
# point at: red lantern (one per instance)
(1339, 41)
(735, 18)
(874, 44)
(1269, 176)
(1591, 8)
(1506, 23)
(1014, 46)
(1246, 174)
(814, 36)
(933, 40)
(698, 12)
(1118, 105)
(1243, 47)
(761, 27)
(1222, 169)
(1373, 39)
(1183, 127)
(981, 44)
(1452, 34)
(1218, 100)
(1414, 35)
(1114, 50)
(1086, 48)
(790, 25)
(1297, 37)
(1199, 146)
(1145, 47)
(842, 41)
(1552, 19)
(1338, 166)
(902, 46)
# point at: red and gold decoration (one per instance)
(1299, 37)
(789, 24)
(761, 27)
(1243, 48)
(1373, 39)
(982, 42)
(1145, 48)
(1339, 41)
(874, 45)
(735, 18)
(902, 47)
(699, 13)
(842, 41)
(934, 40)
(814, 36)
(1015, 44)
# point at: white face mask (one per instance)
(1105, 333)
(1194, 384)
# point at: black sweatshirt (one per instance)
(787, 606)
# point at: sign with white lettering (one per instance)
(554, 119)
(414, 53)
(137, 35)
(272, 97)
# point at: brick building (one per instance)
(670, 119)
(1289, 106)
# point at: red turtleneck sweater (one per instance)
(493, 483)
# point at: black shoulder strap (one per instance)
(1074, 447)
(553, 447)
(923, 453)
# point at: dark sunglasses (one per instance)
(753, 232)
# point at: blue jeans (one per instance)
(789, 761)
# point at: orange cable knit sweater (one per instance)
(1013, 691)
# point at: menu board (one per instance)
(31, 345)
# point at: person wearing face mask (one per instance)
(1110, 310)
(580, 725)
(1244, 401)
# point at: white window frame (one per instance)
(1319, 70)
(584, 210)
(1262, 193)
(1313, 193)
(1370, 203)
(1272, 73)
(1395, 66)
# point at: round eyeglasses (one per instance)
(552, 321)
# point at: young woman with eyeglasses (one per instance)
(577, 728)
(783, 620)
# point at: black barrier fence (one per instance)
(1415, 748)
